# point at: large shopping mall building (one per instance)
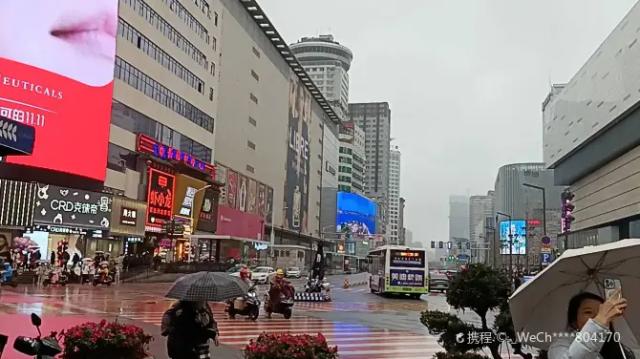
(215, 141)
(592, 139)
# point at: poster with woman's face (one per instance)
(252, 196)
(243, 193)
(221, 176)
(262, 200)
(232, 188)
(56, 74)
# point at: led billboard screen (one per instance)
(519, 234)
(357, 213)
(56, 75)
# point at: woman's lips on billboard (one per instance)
(93, 35)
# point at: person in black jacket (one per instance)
(188, 327)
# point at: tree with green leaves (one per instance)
(481, 289)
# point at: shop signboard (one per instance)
(15, 138)
(127, 217)
(189, 198)
(208, 219)
(16, 203)
(159, 150)
(58, 78)
(235, 223)
(160, 196)
(60, 206)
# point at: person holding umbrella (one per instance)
(568, 294)
(189, 326)
(590, 320)
(189, 323)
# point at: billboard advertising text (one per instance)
(56, 75)
(296, 189)
(357, 213)
(160, 196)
(407, 278)
(519, 234)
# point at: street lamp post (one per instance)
(544, 205)
(510, 246)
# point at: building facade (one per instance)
(375, 120)
(394, 227)
(402, 231)
(591, 139)
(352, 159)
(283, 134)
(328, 63)
(480, 208)
(459, 225)
(517, 203)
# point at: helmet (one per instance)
(280, 273)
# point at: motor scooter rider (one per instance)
(279, 285)
(245, 274)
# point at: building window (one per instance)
(153, 89)
(251, 145)
(153, 18)
(253, 98)
(255, 75)
(188, 19)
(215, 18)
(214, 42)
(211, 93)
(433, 244)
(252, 121)
(255, 51)
(133, 121)
(440, 244)
(213, 68)
(129, 33)
(250, 169)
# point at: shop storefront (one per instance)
(73, 220)
(239, 238)
(127, 226)
(16, 212)
(179, 187)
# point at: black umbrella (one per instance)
(207, 286)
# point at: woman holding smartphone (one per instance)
(590, 320)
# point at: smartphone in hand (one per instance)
(612, 287)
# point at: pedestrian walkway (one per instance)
(354, 341)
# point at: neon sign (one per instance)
(148, 145)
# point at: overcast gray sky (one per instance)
(465, 80)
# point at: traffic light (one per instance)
(567, 211)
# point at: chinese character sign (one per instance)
(56, 75)
(407, 259)
(72, 207)
(407, 278)
(160, 197)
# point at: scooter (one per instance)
(102, 276)
(248, 305)
(285, 307)
(41, 348)
(56, 276)
(316, 286)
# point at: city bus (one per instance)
(398, 269)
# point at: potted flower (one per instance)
(105, 340)
(282, 345)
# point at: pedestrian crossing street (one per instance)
(354, 341)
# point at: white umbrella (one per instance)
(540, 305)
